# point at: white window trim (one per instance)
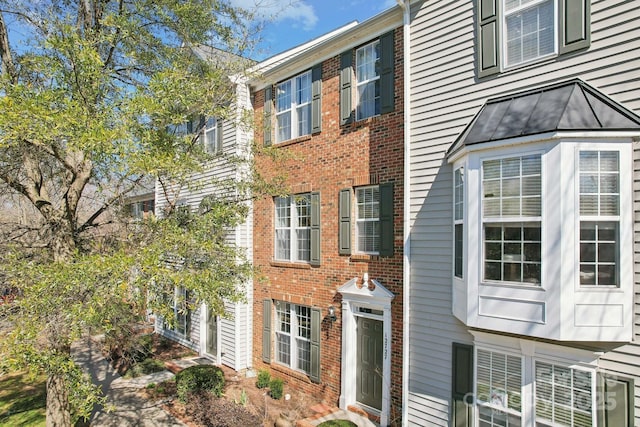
(293, 335)
(293, 228)
(365, 82)
(503, 28)
(502, 220)
(359, 221)
(535, 308)
(293, 108)
(599, 219)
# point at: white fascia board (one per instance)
(547, 136)
(321, 50)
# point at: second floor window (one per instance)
(368, 219)
(293, 228)
(511, 33)
(530, 32)
(512, 212)
(293, 107)
(368, 80)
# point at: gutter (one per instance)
(405, 5)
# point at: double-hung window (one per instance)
(511, 33)
(368, 219)
(599, 217)
(512, 212)
(368, 80)
(293, 107)
(293, 336)
(293, 228)
(458, 219)
(529, 30)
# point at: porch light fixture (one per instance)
(332, 314)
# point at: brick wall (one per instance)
(364, 152)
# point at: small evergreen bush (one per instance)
(276, 388)
(199, 378)
(264, 378)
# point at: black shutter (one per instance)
(345, 87)
(574, 25)
(344, 232)
(267, 115)
(615, 399)
(266, 331)
(218, 136)
(386, 219)
(387, 59)
(461, 384)
(316, 318)
(316, 98)
(488, 45)
(315, 229)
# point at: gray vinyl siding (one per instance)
(445, 95)
(235, 333)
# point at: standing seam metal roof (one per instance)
(568, 106)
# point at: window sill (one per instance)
(289, 264)
(514, 285)
(293, 141)
(283, 369)
(364, 258)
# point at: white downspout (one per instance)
(406, 261)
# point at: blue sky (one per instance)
(297, 21)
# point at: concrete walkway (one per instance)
(130, 409)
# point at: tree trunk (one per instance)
(58, 411)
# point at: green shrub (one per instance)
(264, 378)
(199, 378)
(276, 388)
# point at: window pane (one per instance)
(284, 126)
(599, 253)
(304, 120)
(512, 253)
(599, 183)
(458, 250)
(283, 96)
(512, 187)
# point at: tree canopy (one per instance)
(89, 91)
